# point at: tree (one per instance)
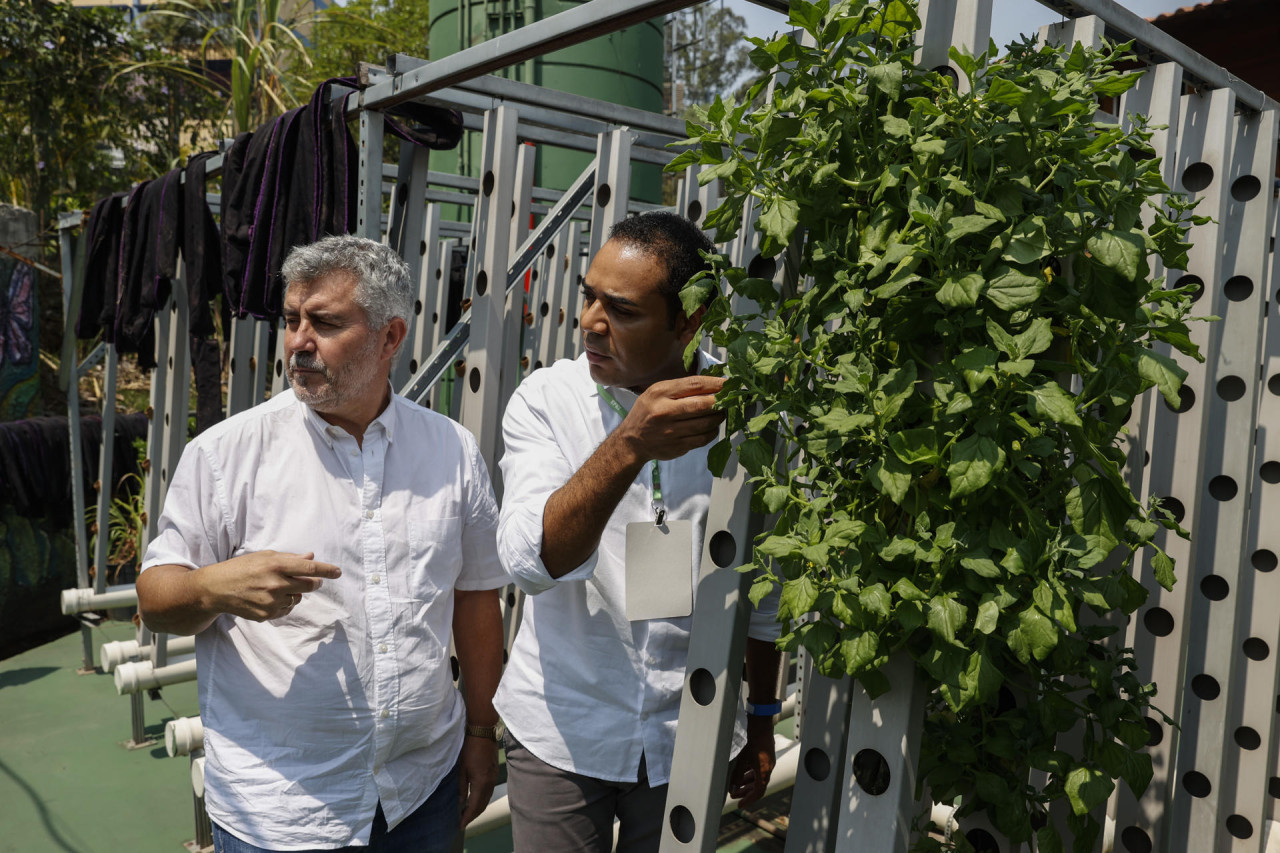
(73, 127)
(706, 55)
(366, 31)
(935, 411)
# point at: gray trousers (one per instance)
(555, 811)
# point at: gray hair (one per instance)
(383, 289)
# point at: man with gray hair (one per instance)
(321, 547)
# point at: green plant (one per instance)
(126, 523)
(935, 412)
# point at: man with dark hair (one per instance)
(321, 547)
(606, 496)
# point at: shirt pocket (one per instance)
(435, 555)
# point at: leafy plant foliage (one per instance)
(936, 413)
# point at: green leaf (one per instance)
(1006, 92)
(718, 457)
(988, 617)
(963, 226)
(1049, 402)
(760, 587)
(908, 591)
(775, 497)
(841, 533)
(694, 294)
(1012, 289)
(860, 651)
(798, 597)
(1164, 373)
(778, 218)
(962, 292)
(1035, 637)
(1121, 251)
(1047, 840)
(1087, 789)
(887, 78)
(973, 463)
(946, 616)
(1162, 565)
(890, 476)
(756, 455)
(875, 599)
(1035, 339)
(896, 127)
(778, 546)
(915, 445)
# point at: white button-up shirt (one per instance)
(585, 690)
(314, 718)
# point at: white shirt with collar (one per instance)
(585, 690)
(313, 719)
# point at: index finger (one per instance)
(692, 386)
(300, 566)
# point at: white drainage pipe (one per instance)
(141, 675)
(183, 736)
(80, 599)
(197, 776)
(124, 651)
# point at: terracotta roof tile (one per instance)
(1183, 10)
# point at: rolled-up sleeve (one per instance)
(481, 568)
(192, 529)
(533, 468)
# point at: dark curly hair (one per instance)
(673, 241)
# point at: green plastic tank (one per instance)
(624, 67)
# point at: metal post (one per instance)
(408, 237)
(369, 212)
(818, 797)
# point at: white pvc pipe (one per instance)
(141, 675)
(80, 599)
(123, 651)
(183, 736)
(197, 776)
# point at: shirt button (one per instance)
(382, 647)
(651, 660)
(643, 716)
(384, 714)
(368, 513)
(377, 579)
(355, 452)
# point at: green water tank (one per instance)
(624, 67)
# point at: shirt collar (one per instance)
(627, 397)
(386, 421)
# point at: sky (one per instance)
(1009, 18)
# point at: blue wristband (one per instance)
(773, 709)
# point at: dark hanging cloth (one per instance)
(206, 362)
(149, 250)
(294, 181)
(35, 462)
(101, 265)
(201, 248)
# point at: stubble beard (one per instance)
(340, 385)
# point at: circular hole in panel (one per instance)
(453, 666)
(551, 250)
(473, 244)
(482, 282)
(948, 72)
(533, 275)
(683, 826)
(1231, 388)
(279, 367)
(1197, 177)
(1135, 840)
(435, 317)
(417, 307)
(402, 194)
(164, 473)
(439, 273)
(1238, 288)
(1194, 281)
(817, 764)
(1273, 787)
(762, 267)
(1146, 458)
(1248, 738)
(603, 194)
(413, 365)
(474, 379)
(1256, 648)
(1197, 784)
(513, 209)
(166, 419)
(702, 686)
(1186, 399)
(982, 841)
(1273, 384)
(1223, 488)
(871, 772)
(171, 363)
(487, 186)
(1155, 732)
(575, 322)
(1206, 687)
(505, 657)
(232, 364)
(537, 364)
(1263, 560)
(422, 250)
(1158, 621)
(1238, 825)
(1270, 472)
(695, 210)
(511, 598)
(723, 548)
(1215, 587)
(544, 309)
(1175, 508)
(1245, 188)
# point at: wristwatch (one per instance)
(493, 733)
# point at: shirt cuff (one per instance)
(520, 547)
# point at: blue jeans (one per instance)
(429, 829)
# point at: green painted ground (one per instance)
(68, 784)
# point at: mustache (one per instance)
(307, 361)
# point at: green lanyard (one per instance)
(659, 509)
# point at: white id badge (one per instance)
(659, 570)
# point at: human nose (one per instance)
(299, 337)
(593, 320)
